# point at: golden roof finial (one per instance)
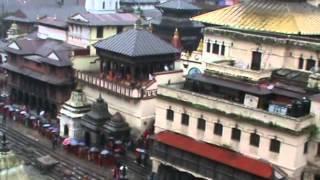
(176, 33)
(200, 46)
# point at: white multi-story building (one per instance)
(252, 44)
(102, 6)
(265, 122)
(255, 72)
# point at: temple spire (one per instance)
(176, 41)
(200, 46)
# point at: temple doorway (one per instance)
(66, 130)
(87, 139)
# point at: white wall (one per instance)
(290, 158)
(45, 32)
(273, 56)
(79, 35)
(138, 113)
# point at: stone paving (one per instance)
(33, 134)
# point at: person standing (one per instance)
(116, 172)
(54, 142)
(123, 172)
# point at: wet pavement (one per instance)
(135, 172)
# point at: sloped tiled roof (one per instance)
(39, 50)
(30, 14)
(179, 5)
(115, 19)
(136, 42)
(14, 5)
(267, 16)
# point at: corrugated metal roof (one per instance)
(236, 160)
(31, 14)
(140, 1)
(115, 19)
(136, 42)
(53, 21)
(267, 16)
(179, 5)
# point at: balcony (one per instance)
(234, 110)
(228, 69)
(115, 87)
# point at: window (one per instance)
(301, 61)
(82, 52)
(170, 115)
(103, 5)
(236, 134)
(305, 149)
(99, 32)
(119, 29)
(201, 124)
(185, 119)
(254, 139)
(310, 64)
(215, 48)
(218, 129)
(318, 151)
(208, 46)
(275, 146)
(256, 60)
(223, 48)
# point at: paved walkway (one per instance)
(35, 135)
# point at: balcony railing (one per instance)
(233, 71)
(114, 87)
(175, 91)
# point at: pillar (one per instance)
(101, 65)
(133, 72)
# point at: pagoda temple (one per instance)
(175, 15)
(71, 113)
(93, 121)
(133, 63)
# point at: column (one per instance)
(101, 65)
(133, 72)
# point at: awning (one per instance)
(214, 153)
